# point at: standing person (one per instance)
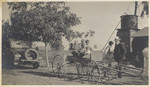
(109, 49)
(109, 53)
(119, 55)
(108, 58)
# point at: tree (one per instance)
(5, 35)
(72, 34)
(44, 20)
(41, 21)
(7, 55)
(145, 8)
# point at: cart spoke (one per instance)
(58, 64)
(89, 71)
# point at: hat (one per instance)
(117, 39)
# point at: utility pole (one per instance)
(136, 3)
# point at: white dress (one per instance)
(109, 49)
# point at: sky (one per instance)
(101, 17)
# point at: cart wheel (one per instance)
(89, 71)
(107, 74)
(58, 65)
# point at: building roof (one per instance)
(142, 33)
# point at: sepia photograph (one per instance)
(75, 43)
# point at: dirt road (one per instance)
(44, 76)
(41, 76)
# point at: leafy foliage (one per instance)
(72, 34)
(145, 8)
(5, 35)
(43, 21)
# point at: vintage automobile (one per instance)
(24, 53)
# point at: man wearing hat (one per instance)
(119, 54)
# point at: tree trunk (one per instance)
(46, 55)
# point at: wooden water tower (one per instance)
(129, 26)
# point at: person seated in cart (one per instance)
(84, 48)
(88, 49)
(85, 51)
(74, 49)
(78, 51)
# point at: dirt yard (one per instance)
(44, 76)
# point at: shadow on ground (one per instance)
(74, 77)
(67, 77)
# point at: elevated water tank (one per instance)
(129, 22)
